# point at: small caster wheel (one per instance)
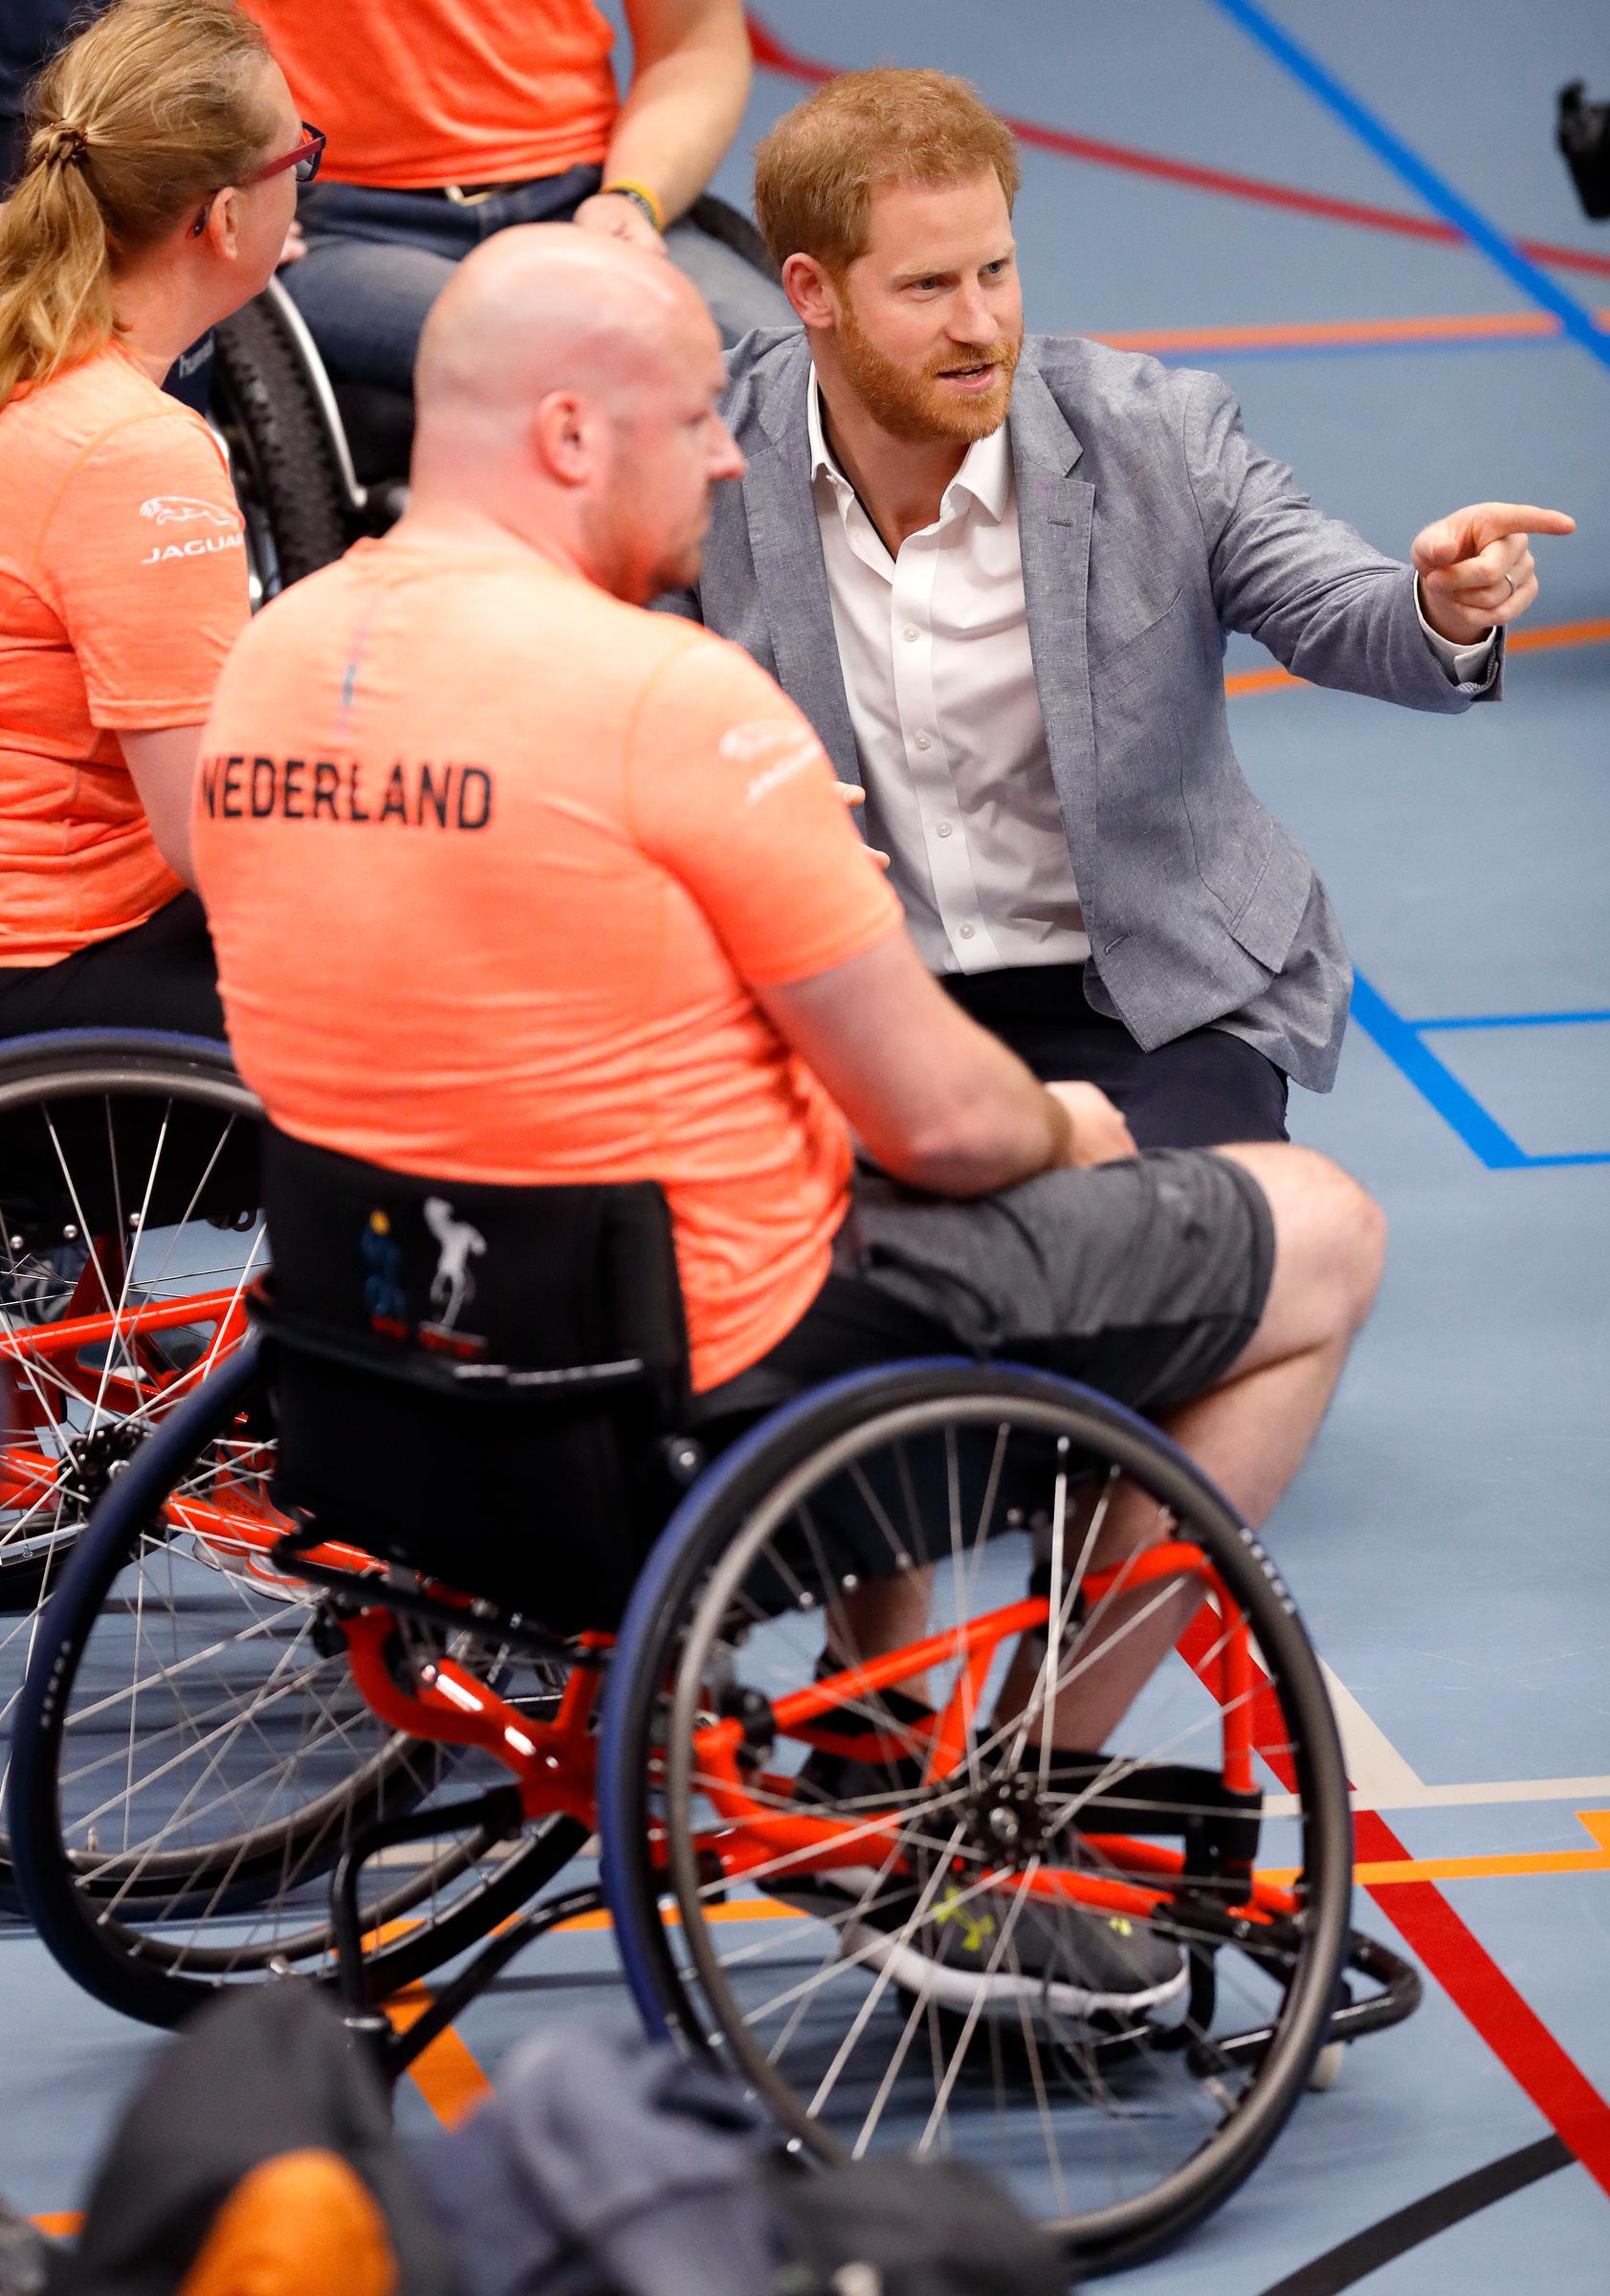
(1327, 2065)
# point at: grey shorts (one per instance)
(1145, 1278)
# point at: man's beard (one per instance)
(911, 403)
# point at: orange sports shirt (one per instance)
(420, 93)
(493, 865)
(123, 584)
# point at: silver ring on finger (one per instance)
(1510, 580)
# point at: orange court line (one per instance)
(452, 2084)
(1379, 1872)
(1560, 633)
(1373, 1872)
(1521, 641)
(1260, 681)
(1451, 326)
(446, 2074)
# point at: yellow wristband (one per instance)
(641, 195)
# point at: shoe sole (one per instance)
(918, 1972)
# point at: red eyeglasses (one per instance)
(304, 159)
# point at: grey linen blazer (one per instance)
(1150, 526)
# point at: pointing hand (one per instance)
(1476, 569)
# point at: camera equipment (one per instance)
(1583, 135)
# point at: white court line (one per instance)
(1383, 1780)
(1465, 1797)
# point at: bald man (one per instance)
(511, 881)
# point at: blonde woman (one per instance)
(158, 183)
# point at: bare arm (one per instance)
(690, 80)
(164, 769)
(935, 1099)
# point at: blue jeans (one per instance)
(376, 261)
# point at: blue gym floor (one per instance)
(1447, 1542)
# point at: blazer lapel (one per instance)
(790, 575)
(1054, 517)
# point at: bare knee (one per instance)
(1330, 1243)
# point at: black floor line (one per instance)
(1342, 2267)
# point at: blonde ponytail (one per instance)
(157, 106)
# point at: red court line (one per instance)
(772, 56)
(1460, 1965)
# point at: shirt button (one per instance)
(941, 829)
(964, 931)
(925, 741)
(911, 633)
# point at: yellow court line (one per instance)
(1551, 634)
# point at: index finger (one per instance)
(1493, 520)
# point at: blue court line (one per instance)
(1439, 1085)
(1512, 1020)
(1458, 1107)
(1437, 192)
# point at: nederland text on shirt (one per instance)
(410, 796)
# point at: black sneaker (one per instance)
(1063, 1960)
(870, 1755)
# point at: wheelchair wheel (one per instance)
(281, 461)
(904, 1924)
(128, 1232)
(194, 1755)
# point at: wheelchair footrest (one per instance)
(1399, 1996)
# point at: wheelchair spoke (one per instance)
(1029, 1968)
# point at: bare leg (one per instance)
(1250, 1434)
(882, 1615)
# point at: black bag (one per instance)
(258, 2073)
(605, 2165)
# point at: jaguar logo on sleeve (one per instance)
(205, 527)
(184, 509)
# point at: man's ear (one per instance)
(807, 285)
(561, 439)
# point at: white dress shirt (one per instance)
(934, 646)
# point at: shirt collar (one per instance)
(985, 474)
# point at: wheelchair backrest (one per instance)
(474, 1379)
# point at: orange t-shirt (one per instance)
(493, 865)
(123, 585)
(416, 93)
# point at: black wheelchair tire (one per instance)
(719, 219)
(285, 471)
(79, 1063)
(133, 1972)
(719, 1512)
